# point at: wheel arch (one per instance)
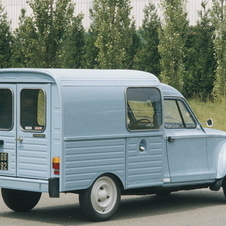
(114, 176)
(221, 164)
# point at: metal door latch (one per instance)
(171, 140)
(20, 139)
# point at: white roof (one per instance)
(71, 77)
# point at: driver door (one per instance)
(186, 143)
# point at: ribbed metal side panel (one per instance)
(86, 160)
(33, 160)
(144, 168)
(10, 148)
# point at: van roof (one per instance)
(169, 91)
(68, 77)
(90, 77)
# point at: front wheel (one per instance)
(20, 201)
(102, 199)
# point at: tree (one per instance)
(147, 58)
(42, 39)
(72, 51)
(172, 35)
(219, 21)
(25, 46)
(6, 39)
(114, 31)
(91, 51)
(200, 63)
(132, 50)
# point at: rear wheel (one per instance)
(20, 201)
(102, 199)
(224, 186)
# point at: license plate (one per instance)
(3, 161)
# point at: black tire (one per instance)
(102, 199)
(224, 186)
(163, 193)
(20, 201)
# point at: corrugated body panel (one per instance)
(10, 148)
(144, 168)
(56, 131)
(33, 158)
(86, 160)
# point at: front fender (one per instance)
(221, 169)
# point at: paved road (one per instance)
(192, 208)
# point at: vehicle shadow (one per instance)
(131, 207)
(175, 202)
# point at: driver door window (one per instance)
(177, 115)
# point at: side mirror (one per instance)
(209, 122)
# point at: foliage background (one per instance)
(190, 58)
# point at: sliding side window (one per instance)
(144, 109)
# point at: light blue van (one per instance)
(101, 134)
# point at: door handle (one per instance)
(1, 142)
(141, 148)
(171, 140)
(20, 139)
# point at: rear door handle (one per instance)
(171, 140)
(1, 142)
(20, 139)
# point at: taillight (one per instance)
(56, 165)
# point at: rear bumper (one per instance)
(24, 184)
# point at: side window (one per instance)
(33, 108)
(144, 108)
(6, 109)
(177, 115)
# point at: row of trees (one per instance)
(190, 58)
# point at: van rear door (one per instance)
(33, 130)
(25, 130)
(7, 129)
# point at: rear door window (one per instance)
(33, 110)
(6, 109)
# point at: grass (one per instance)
(206, 110)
